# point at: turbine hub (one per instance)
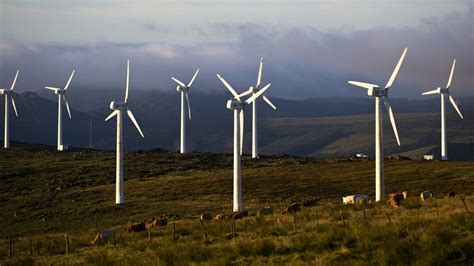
(118, 105)
(2, 91)
(235, 104)
(377, 92)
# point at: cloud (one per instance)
(300, 62)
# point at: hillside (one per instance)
(318, 127)
(41, 188)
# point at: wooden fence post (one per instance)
(464, 203)
(388, 217)
(66, 238)
(203, 230)
(149, 235)
(437, 210)
(294, 221)
(342, 218)
(174, 230)
(365, 217)
(31, 248)
(9, 246)
(317, 219)
(38, 245)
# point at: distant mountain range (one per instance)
(318, 127)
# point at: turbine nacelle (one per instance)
(234, 104)
(118, 105)
(182, 89)
(377, 92)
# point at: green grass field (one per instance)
(45, 194)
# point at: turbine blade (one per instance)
(269, 102)
(431, 92)
(14, 105)
(189, 106)
(451, 75)
(14, 80)
(241, 131)
(179, 82)
(227, 85)
(128, 80)
(69, 81)
(363, 84)
(392, 119)
(192, 80)
(395, 71)
(453, 102)
(52, 89)
(256, 95)
(259, 77)
(130, 114)
(67, 106)
(114, 113)
(247, 92)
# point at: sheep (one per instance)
(206, 216)
(267, 210)
(103, 237)
(395, 199)
(294, 207)
(425, 195)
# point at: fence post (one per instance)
(365, 217)
(203, 230)
(342, 218)
(66, 237)
(388, 217)
(31, 248)
(464, 203)
(418, 205)
(10, 246)
(294, 221)
(317, 219)
(437, 210)
(174, 230)
(149, 235)
(38, 245)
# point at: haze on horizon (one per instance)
(311, 48)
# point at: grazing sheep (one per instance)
(310, 202)
(219, 217)
(361, 199)
(207, 216)
(405, 194)
(348, 199)
(395, 199)
(103, 237)
(451, 194)
(240, 215)
(294, 207)
(267, 210)
(425, 195)
(136, 227)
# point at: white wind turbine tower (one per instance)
(118, 108)
(8, 93)
(62, 96)
(378, 92)
(237, 105)
(254, 90)
(183, 88)
(443, 92)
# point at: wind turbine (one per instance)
(237, 105)
(378, 92)
(253, 90)
(183, 88)
(62, 96)
(443, 92)
(8, 93)
(118, 108)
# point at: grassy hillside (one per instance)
(45, 194)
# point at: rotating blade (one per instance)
(397, 68)
(130, 114)
(69, 80)
(192, 80)
(453, 102)
(14, 80)
(259, 77)
(451, 75)
(256, 95)
(67, 106)
(189, 106)
(114, 113)
(127, 81)
(392, 119)
(431, 92)
(247, 92)
(14, 105)
(269, 102)
(179, 82)
(52, 89)
(227, 85)
(363, 84)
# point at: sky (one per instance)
(310, 48)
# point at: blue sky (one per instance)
(311, 48)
